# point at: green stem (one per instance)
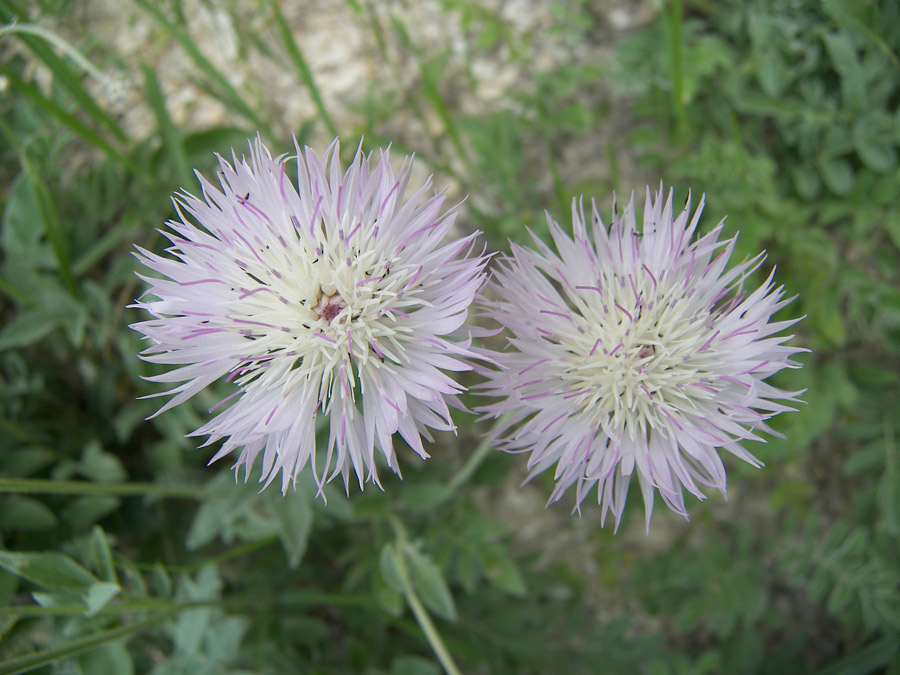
(476, 459)
(73, 487)
(247, 604)
(418, 609)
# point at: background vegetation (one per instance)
(122, 552)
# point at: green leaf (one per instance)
(869, 659)
(389, 567)
(227, 93)
(24, 514)
(170, 134)
(83, 512)
(872, 138)
(28, 327)
(294, 515)
(806, 181)
(503, 572)
(838, 175)
(53, 571)
(102, 555)
(113, 657)
(99, 595)
(296, 55)
(99, 466)
(231, 513)
(429, 583)
(388, 599)
(877, 155)
(414, 665)
(53, 230)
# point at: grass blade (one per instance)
(68, 119)
(54, 231)
(63, 73)
(305, 73)
(227, 92)
(171, 137)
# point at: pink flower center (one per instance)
(329, 307)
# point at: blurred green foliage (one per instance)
(122, 553)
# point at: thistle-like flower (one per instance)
(635, 352)
(334, 297)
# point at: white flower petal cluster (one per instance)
(635, 352)
(337, 296)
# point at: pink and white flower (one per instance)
(635, 352)
(336, 297)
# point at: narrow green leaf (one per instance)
(53, 230)
(171, 136)
(103, 555)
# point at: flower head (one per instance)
(635, 352)
(335, 297)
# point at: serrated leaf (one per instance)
(429, 584)
(53, 571)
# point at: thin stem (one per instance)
(73, 487)
(246, 604)
(418, 609)
(476, 459)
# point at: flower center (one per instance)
(329, 306)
